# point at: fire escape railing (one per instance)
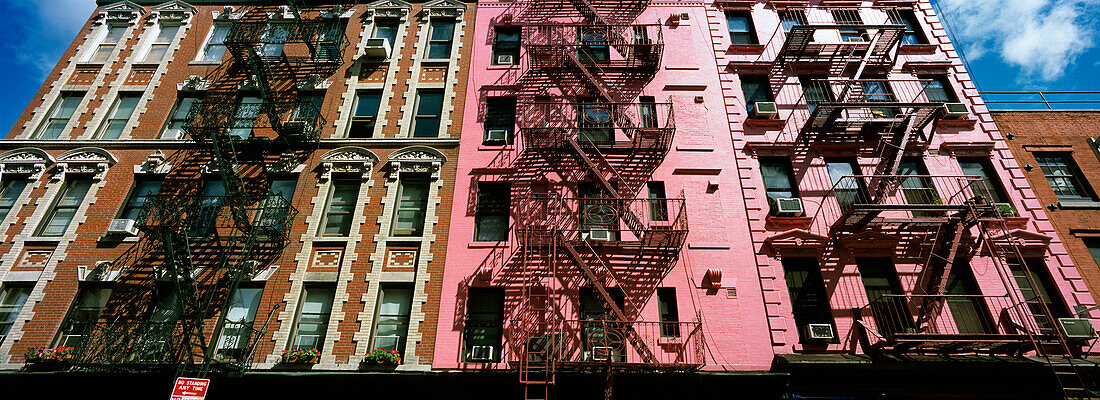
(638, 126)
(299, 124)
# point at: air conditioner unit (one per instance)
(819, 332)
(481, 353)
(505, 59)
(294, 127)
(788, 207)
(126, 227)
(496, 135)
(601, 353)
(597, 235)
(377, 48)
(765, 110)
(1077, 328)
(955, 111)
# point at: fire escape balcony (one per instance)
(645, 127)
(140, 346)
(596, 46)
(596, 342)
(629, 223)
(949, 323)
(317, 41)
(834, 110)
(235, 218)
(836, 36)
(909, 201)
(298, 124)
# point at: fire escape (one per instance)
(853, 100)
(202, 237)
(599, 252)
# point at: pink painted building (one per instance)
(863, 205)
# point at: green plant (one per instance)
(937, 200)
(301, 356)
(1007, 210)
(382, 356)
(44, 354)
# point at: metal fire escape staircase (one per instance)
(207, 244)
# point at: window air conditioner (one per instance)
(125, 227)
(481, 353)
(1077, 328)
(765, 110)
(505, 59)
(788, 207)
(496, 135)
(600, 353)
(955, 111)
(819, 332)
(597, 235)
(378, 48)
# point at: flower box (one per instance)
(380, 360)
(306, 357)
(48, 359)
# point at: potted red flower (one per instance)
(381, 360)
(48, 359)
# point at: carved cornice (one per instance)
(354, 160)
(172, 11)
(121, 13)
(86, 160)
(193, 84)
(30, 162)
(416, 159)
(154, 164)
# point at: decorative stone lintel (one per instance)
(175, 11)
(154, 164)
(120, 13)
(193, 84)
(314, 82)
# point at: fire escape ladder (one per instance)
(941, 259)
(632, 335)
(592, 79)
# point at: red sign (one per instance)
(190, 389)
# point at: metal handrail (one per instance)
(1038, 98)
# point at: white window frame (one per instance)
(90, 52)
(147, 48)
(201, 54)
(112, 117)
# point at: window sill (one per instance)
(918, 48)
(204, 63)
(1079, 204)
(487, 245)
(745, 48)
(44, 240)
(117, 239)
(330, 239)
(502, 66)
(489, 147)
(436, 60)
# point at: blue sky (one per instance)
(1011, 44)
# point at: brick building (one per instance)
(295, 165)
(789, 199)
(1059, 155)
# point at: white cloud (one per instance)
(43, 29)
(1042, 37)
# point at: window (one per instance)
(119, 115)
(439, 43)
(159, 47)
(12, 299)
(312, 324)
(166, 308)
(647, 109)
(756, 89)
(138, 196)
(815, 90)
(1093, 245)
(275, 37)
(215, 44)
(939, 89)
(888, 307)
(990, 186)
(429, 109)
(917, 187)
(505, 43)
(412, 205)
(600, 340)
(244, 118)
(669, 315)
(779, 180)
(500, 121)
(846, 180)
(213, 195)
(493, 203)
(484, 320)
(174, 129)
(809, 301)
(341, 207)
(791, 18)
(277, 207)
(235, 335)
(1038, 289)
(913, 33)
(107, 44)
(64, 209)
(59, 115)
(84, 314)
(392, 326)
(880, 91)
(12, 190)
(366, 113)
(850, 17)
(970, 313)
(1064, 177)
(740, 27)
(387, 28)
(658, 201)
(593, 47)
